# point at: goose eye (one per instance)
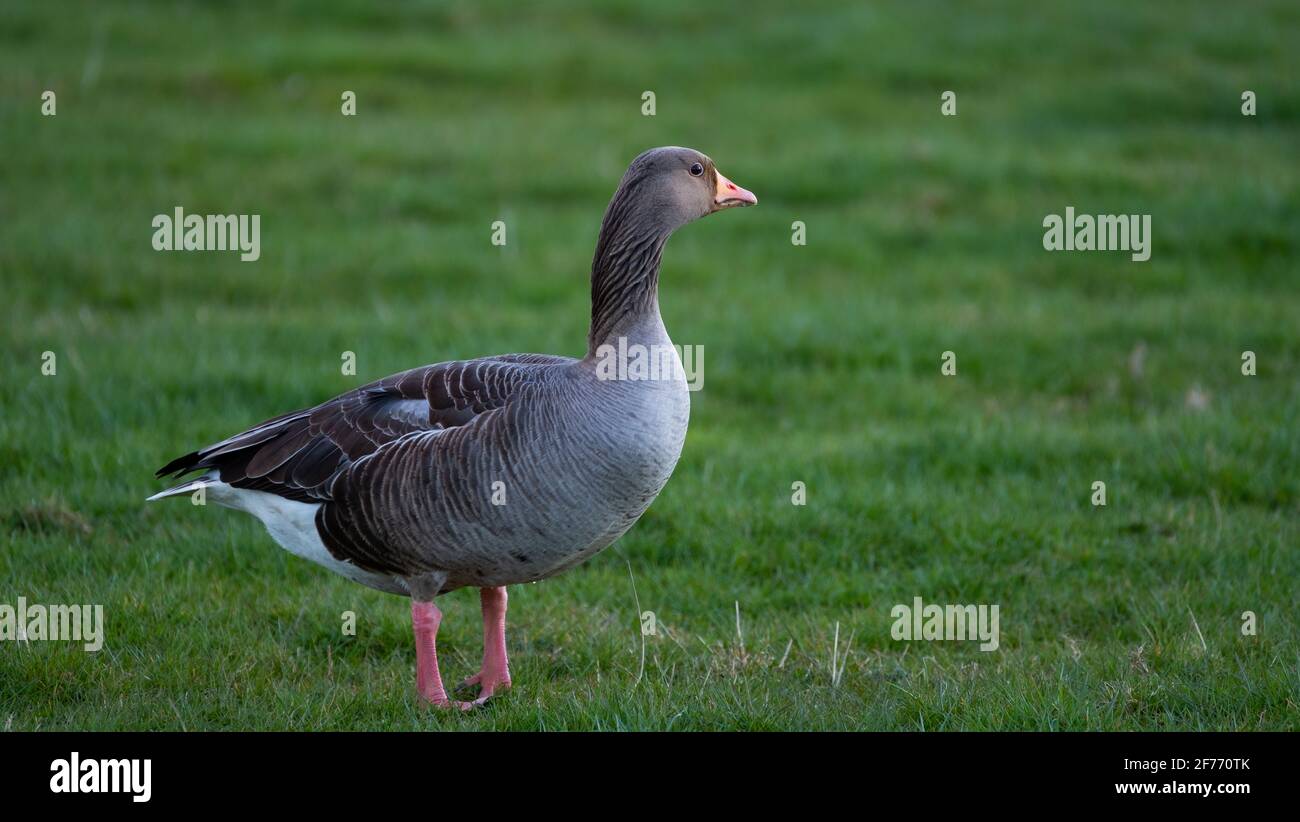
(697, 170)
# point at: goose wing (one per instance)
(299, 455)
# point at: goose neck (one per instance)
(625, 282)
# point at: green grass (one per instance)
(822, 362)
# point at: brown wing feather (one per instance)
(299, 455)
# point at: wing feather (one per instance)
(299, 455)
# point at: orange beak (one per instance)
(729, 194)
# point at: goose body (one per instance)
(486, 472)
(578, 459)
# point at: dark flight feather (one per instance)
(298, 455)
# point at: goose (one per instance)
(487, 472)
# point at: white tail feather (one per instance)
(184, 488)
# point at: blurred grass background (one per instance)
(821, 362)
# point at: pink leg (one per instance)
(425, 618)
(495, 673)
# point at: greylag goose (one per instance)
(487, 472)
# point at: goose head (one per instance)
(669, 187)
(662, 190)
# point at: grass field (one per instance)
(822, 362)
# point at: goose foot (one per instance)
(489, 682)
(494, 675)
(425, 619)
